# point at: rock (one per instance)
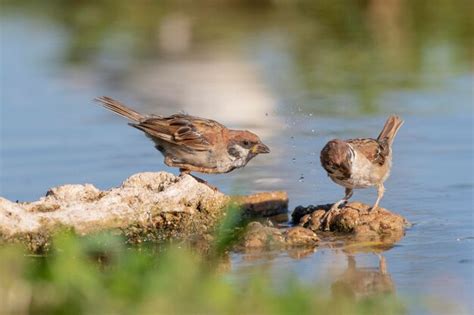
(259, 236)
(264, 204)
(312, 220)
(299, 236)
(147, 206)
(355, 218)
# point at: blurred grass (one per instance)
(103, 274)
(100, 275)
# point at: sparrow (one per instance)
(360, 163)
(191, 143)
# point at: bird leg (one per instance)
(380, 192)
(382, 264)
(351, 262)
(183, 171)
(326, 219)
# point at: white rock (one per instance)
(86, 209)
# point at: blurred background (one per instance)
(298, 73)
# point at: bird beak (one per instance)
(260, 148)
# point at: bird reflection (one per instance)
(362, 282)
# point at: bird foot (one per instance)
(200, 180)
(210, 186)
(327, 217)
(373, 209)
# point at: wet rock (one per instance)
(312, 220)
(146, 207)
(355, 218)
(264, 204)
(259, 236)
(300, 236)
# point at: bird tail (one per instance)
(119, 108)
(390, 129)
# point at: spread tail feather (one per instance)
(119, 108)
(390, 129)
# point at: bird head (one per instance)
(245, 145)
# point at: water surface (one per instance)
(298, 75)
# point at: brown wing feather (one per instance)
(335, 159)
(193, 132)
(373, 150)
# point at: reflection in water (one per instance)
(268, 256)
(351, 245)
(358, 282)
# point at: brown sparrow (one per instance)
(360, 163)
(191, 143)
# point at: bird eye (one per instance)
(246, 143)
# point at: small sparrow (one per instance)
(360, 163)
(191, 143)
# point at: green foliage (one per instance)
(100, 275)
(347, 53)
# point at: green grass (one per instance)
(100, 274)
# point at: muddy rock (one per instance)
(260, 236)
(355, 219)
(267, 204)
(147, 206)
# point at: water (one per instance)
(296, 75)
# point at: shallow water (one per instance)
(296, 78)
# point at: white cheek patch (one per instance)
(241, 152)
(241, 158)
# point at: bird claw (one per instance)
(326, 219)
(372, 209)
(202, 181)
(211, 186)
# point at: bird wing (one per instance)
(337, 165)
(192, 132)
(375, 151)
